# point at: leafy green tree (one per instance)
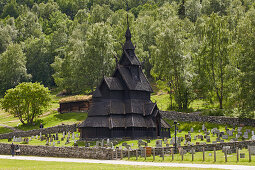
(100, 13)
(10, 9)
(39, 58)
(8, 34)
(26, 101)
(169, 61)
(246, 62)
(193, 9)
(12, 67)
(86, 60)
(213, 61)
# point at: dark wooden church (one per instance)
(121, 105)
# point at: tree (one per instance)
(213, 63)
(12, 67)
(26, 101)
(170, 62)
(246, 62)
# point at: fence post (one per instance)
(172, 152)
(144, 153)
(249, 149)
(182, 153)
(162, 153)
(116, 153)
(128, 154)
(203, 152)
(136, 153)
(237, 154)
(121, 154)
(226, 156)
(112, 154)
(192, 151)
(214, 149)
(153, 154)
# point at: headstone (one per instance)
(36, 137)
(253, 137)
(58, 142)
(102, 143)
(191, 130)
(203, 127)
(64, 134)
(237, 136)
(97, 143)
(32, 137)
(53, 144)
(158, 143)
(214, 142)
(224, 136)
(68, 135)
(124, 144)
(195, 137)
(221, 141)
(77, 135)
(252, 133)
(210, 154)
(108, 141)
(230, 133)
(245, 135)
(248, 130)
(40, 135)
(56, 136)
(252, 150)
(51, 139)
(47, 143)
(73, 136)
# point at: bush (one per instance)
(214, 112)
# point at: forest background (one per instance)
(192, 49)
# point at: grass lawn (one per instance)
(24, 164)
(198, 158)
(49, 118)
(5, 130)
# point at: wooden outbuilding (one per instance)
(79, 103)
(121, 105)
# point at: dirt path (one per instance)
(120, 162)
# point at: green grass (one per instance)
(198, 158)
(5, 130)
(49, 118)
(24, 164)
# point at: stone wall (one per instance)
(50, 130)
(66, 152)
(197, 117)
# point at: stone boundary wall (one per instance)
(197, 117)
(66, 152)
(50, 130)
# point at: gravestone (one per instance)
(253, 137)
(242, 155)
(64, 134)
(97, 143)
(191, 130)
(124, 144)
(36, 137)
(199, 131)
(73, 136)
(252, 150)
(224, 136)
(237, 136)
(221, 141)
(203, 127)
(195, 137)
(230, 133)
(102, 143)
(53, 144)
(245, 135)
(108, 141)
(77, 135)
(210, 154)
(214, 142)
(56, 136)
(252, 133)
(208, 139)
(248, 130)
(58, 142)
(239, 129)
(158, 143)
(47, 143)
(51, 139)
(40, 135)
(68, 135)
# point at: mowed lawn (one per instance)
(27, 165)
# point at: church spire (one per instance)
(128, 44)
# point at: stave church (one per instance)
(121, 105)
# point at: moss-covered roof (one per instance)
(76, 98)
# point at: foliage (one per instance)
(12, 67)
(26, 101)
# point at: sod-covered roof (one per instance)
(77, 98)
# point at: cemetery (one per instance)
(121, 122)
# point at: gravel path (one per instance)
(120, 162)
